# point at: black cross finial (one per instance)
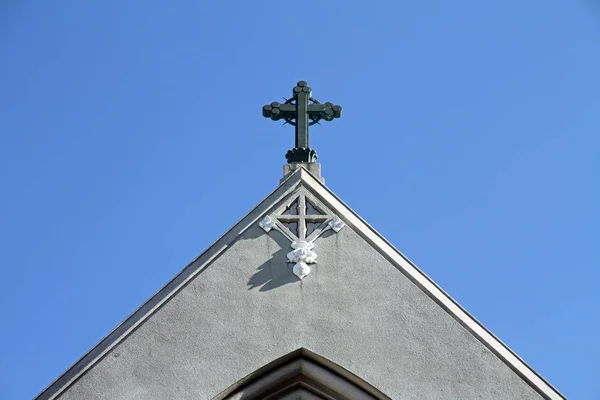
(301, 111)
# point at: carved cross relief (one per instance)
(302, 220)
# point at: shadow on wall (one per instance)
(275, 272)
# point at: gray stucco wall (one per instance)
(247, 309)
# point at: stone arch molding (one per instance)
(302, 219)
(301, 375)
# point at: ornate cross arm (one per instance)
(302, 111)
(327, 111)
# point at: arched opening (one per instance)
(301, 375)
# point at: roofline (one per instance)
(435, 292)
(157, 300)
(368, 233)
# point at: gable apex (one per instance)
(326, 202)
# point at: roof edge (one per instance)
(301, 176)
(158, 299)
(435, 292)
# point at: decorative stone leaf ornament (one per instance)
(302, 220)
(302, 255)
(267, 223)
(336, 224)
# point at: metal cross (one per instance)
(301, 111)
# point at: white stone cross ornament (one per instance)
(302, 220)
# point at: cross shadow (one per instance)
(275, 272)
(325, 235)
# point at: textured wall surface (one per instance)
(247, 309)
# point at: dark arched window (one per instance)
(303, 375)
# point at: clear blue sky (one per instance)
(131, 138)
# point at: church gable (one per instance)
(241, 305)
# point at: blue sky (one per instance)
(131, 138)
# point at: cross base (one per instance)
(314, 169)
(301, 155)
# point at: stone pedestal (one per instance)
(314, 168)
